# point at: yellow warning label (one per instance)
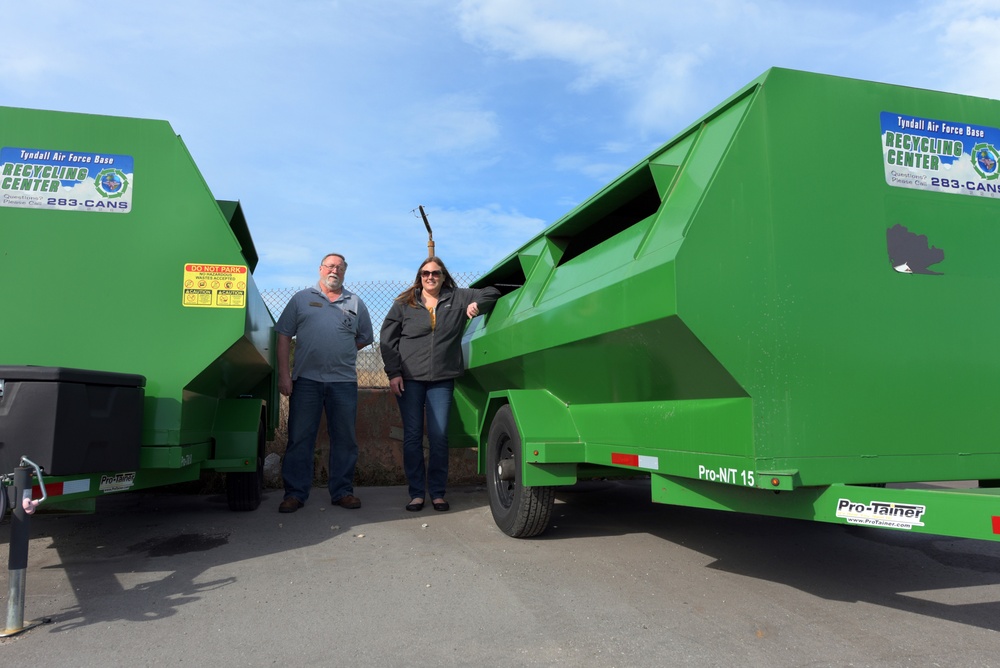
(215, 285)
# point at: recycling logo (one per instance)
(111, 183)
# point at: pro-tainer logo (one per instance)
(881, 514)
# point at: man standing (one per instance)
(330, 324)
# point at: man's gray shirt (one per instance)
(327, 334)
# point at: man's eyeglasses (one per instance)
(334, 267)
(427, 274)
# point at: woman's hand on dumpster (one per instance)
(396, 385)
(285, 385)
(473, 310)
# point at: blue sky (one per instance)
(331, 121)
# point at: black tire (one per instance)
(519, 511)
(245, 490)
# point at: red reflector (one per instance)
(624, 460)
(52, 489)
(996, 524)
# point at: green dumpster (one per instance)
(136, 350)
(779, 311)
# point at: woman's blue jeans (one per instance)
(434, 399)
(305, 407)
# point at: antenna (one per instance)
(430, 235)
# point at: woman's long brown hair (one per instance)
(409, 295)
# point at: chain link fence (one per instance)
(378, 297)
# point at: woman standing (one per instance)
(421, 345)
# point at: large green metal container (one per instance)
(116, 257)
(792, 293)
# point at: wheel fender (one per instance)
(541, 418)
(235, 431)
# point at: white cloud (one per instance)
(601, 172)
(966, 32)
(665, 59)
(447, 125)
(526, 30)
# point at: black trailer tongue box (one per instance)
(70, 421)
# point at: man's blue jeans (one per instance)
(308, 401)
(436, 399)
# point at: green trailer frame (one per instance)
(783, 310)
(118, 258)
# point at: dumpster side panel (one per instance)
(859, 373)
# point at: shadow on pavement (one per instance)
(912, 572)
(144, 555)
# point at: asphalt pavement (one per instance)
(154, 579)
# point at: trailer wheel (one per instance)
(519, 511)
(244, 490)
